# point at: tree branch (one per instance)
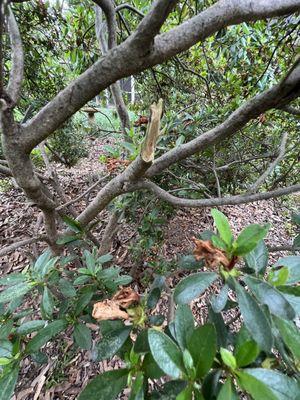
(230, 200)
(128, 58)
(285, 91)
(129, 7)
(17, 70)
(9, 249)
(291, 110)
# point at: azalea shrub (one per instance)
(248, 344)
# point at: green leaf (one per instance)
(257, 259)
(105, 258)
(106, 386)
(293, 265)
(169, 391)
(257, 389)
(66, 288)
(278, 278)
(7, 383)
(165, 353)
(137, 389)
(267, 294)
(82, 336)
(15, 291)
(42, 260)
(111, 343)
(228, 358)
(218, 242)
(47, 302)
(246, 353)
(189, 262)
(31, 326)
(141, 344)
(290, 335)
(74, 225)
(219, 301)
(150, 367)
(283, 387)
(249, 238)
(193, 286)
(183, 324)
(67, 239)
(89, 260)
(153, 297)
(45, 334)
(203, 346)
(223, 226)
(254, 319)
(296, 218)
(13, 279)
(227, 391)
(6, 328)
(186, 394)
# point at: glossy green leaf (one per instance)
(219, 301)
(45, 334)
(267, 294)
(137, 389)
(283, 387)
(223, 226)
(106, 386)
(255, 387)
(74, 225)
(254, 319)
(67, 239)
(193, 286)
(228, 358)
(165, 353)
(12, 279)
(169, 391)
(150, 367)
(247, 353)
(293, 265)
(7, 383)
(257, 259)
(249, 238)
(31, 326)
(47, 302)
(82, 336)
(186, 394)
(227, 391)
(203, 346)
(189, 262)
(6, 328)
(111, 343)
(183, 324)
(66, 288)
(15, 291)
(290, 335)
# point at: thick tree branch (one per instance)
(129, 57)
(291, 110)
(230, 200)
(17, 70)
(12, 247)
(285, 91)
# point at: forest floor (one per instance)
(68, 370)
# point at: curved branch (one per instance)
(129, 7)
(127, 59)
(230, 200)
(17, 70)
(12, 247)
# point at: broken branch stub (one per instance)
(153, 131)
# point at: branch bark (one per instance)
(129, 58)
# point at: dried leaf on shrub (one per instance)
(108, 309)
(213, 256)
(125, 297)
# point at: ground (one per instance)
(68, 370)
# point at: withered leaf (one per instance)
(125, 297)
(108, 309)
(212, 256)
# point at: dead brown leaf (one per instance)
(212, 256)
(108, 309)
(125, 297)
